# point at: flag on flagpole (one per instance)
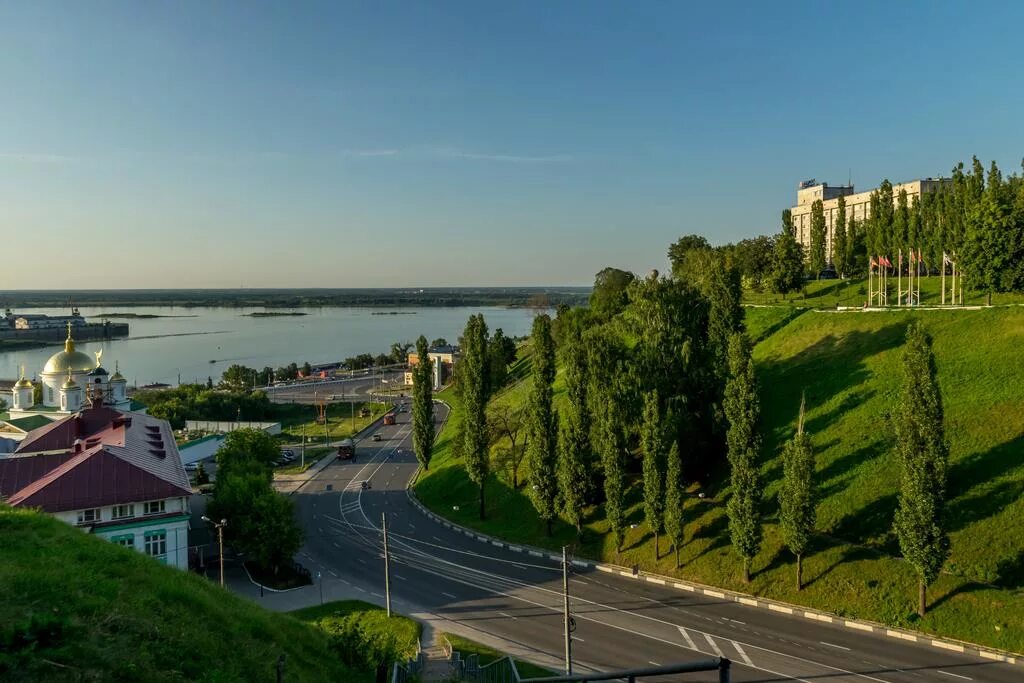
(873, 263)
(945, 259)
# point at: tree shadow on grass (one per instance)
(851, 554)
(959, 590)
(867, 522)
(976, 470)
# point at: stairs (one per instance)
(436, 665)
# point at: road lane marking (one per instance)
(577, 638)
(689, 640)
(376, 595)
(448, 595)
(507, 616)
(337, 545)
(401, 578)
(437, 539)
(652, 662)
(331, 572)
(713, 644)
(361, 590)
(736, 621)
(743, 655)
(834, 645)
(361, 560)
(966, 678)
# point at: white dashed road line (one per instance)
(966, 678)
(839, 647)
(448, 595)
(507, 616)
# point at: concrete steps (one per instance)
(436, 666)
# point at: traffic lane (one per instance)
(829, 644)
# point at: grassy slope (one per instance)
(124, 617)
(848, 364)
(854, 292)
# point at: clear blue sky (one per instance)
(215, 144)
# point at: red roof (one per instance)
(94, 458)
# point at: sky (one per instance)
(398, 144)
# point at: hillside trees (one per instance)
(923, 454)
(787, 274)
(744, 444)
(797, 495)
(787, 223)
(652, 443)
(473, 389)
(818, 238)
(609, 295)
(680, 252)
(575, 455)
(840, 246)
(674, 500)
(542, 450)
(423, 404)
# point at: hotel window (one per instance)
(124, 511)
(154, 507)
(125, 541)
(88, 516)
(156, 544)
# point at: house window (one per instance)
(88, 516)
(125, 541)
(154, 507)
(124, 511)
(156, 544)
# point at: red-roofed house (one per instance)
(114, 474)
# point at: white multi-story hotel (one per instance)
(858, 205)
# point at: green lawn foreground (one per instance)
(363, 634)
(76, 607)
(848, 365)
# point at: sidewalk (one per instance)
(290, 483)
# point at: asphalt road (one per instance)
(359, 388)
(621, 623)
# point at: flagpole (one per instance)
(899, 278)
(943, 278)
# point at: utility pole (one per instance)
(303, 447)
(387, 562)
(565, 609)
(320, 580)
(220, 542)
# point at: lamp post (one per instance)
(220, 542)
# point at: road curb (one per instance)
(265, 586)
(741, 598)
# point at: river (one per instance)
(161, 349)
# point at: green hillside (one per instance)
(75, 607)
(854, 292)
(847, 363)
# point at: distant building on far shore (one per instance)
(39, 321)
(444, 363)
(858, 205)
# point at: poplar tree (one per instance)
(742, 411)
(605, 393)
(574, 448)
(787, 223)
(423, 404)
(674, 498)
(787, 273)
(542, 450)
(924, 457)
(839, 239)
(473, 389)
(797, 496)
(652, 439)
(818, 234)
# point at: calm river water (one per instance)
(161, 348)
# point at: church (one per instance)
(69, 382)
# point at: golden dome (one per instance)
(69, 384)
(21, 383)
(68, 360)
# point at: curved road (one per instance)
(620, 622)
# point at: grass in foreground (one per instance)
(848, 363)
(76, 607)
(486, 655)
(363, 634)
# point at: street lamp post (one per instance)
(220, 542)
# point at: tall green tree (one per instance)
(787, 273)
(542, 451)
(609, 395)
(797, 496)
(498, 359)
(474, 394)
(652, 443)
(924, 457)
(423, 404)
(818, 238)
(742, 411)
(674, 500)
(839, 239)
(856, 249)
(787, 223)
(575, 462)
(680, 251)
(609, 295)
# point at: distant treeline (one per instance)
(294, 298)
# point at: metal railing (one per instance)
(721, 664)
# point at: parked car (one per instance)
(191, 466)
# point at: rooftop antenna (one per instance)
(849, 177)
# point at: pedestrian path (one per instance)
(436, 660)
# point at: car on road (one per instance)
(347, 450)
(389, 419)
(376, 437)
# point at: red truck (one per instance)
(347, 450)
(389, 419)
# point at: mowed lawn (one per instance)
(848, 365)
(854, 292)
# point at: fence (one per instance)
(271, 428)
